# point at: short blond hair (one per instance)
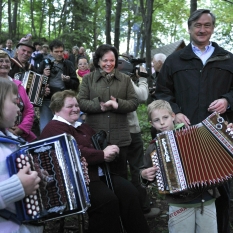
(158, 104)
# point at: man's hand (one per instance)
(47, 90)
(181, 118)
(65, 78)
(142, 70)
(219, 105)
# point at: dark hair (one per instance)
(56, 44)
(36, 43)
(197, 14)
(58, 99)
(6, 87)
(101, 50)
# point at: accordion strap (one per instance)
(9, 216)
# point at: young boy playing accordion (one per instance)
(189, 211)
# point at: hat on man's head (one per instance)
(45, 45)
(26, 42)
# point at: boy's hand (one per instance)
(29, 179)
(181, 118)
(149, 173)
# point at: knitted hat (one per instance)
(26, 42)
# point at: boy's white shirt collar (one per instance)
(61, 119)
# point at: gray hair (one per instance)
(160, 57)
(197, 14)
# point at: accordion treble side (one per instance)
(63, 189)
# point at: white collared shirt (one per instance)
(204, 56)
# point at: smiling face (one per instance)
(82, 64)
(107, 62)
(24, 53)
(70, 110)
(10, 111)
(162, 120)
(5, 65)
(201, 30)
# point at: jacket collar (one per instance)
(188, 54)
(98, 75)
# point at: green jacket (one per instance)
(95, 89)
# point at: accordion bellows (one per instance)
(195, 157)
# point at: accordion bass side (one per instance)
(34, 85)
(197, 157)
(62, 190)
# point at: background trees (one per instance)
(133, 26)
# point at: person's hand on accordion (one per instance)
(29, 179)
(149, 173)
(47, 90)
(110, 153)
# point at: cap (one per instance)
(26, 42)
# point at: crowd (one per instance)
(86, 95)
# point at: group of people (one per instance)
(192, 83)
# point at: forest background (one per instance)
(132, 26)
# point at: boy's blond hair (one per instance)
(158, 104)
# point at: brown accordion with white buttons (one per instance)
(196, 157)
(34, 85)
(63, 189)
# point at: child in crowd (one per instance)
(189, 212)
(83, 68)
(25, 182)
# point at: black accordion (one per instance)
(63, 191)
(196, 157)
(34, 85)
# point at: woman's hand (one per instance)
(110, 104)
(149, 173)
(110, 153)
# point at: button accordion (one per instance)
(62, 190)
(196, 157)
(34, 85)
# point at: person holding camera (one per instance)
(61, 75)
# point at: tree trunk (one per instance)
(32, 18)
(9, 19)
(95, 26)
(148, 37)
(108, 21)
(193, 6)
(117, 24)
(14, 20)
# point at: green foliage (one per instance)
(144, 124)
